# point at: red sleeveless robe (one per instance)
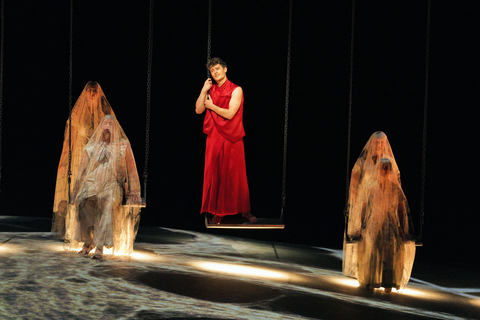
(225, 187)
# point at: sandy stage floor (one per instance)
(176, 274)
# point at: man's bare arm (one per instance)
(233, 105)
(200, 104)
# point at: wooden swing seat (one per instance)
(418, 242)
(237, 222)
(136, 205)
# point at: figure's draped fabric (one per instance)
(376, 147)
(385, 257)
(107, 174)
(86, 115)
(225, 186)
(363, 174)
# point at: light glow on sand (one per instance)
(419, 293)
(349, 282)
(58, 247)
(135, 255)
(108, 252)
(5, 248)
(242, 270)
(409, 291)
(145, 256)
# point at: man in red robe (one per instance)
(225, 186)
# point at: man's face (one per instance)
(218, 72)
(91, 92)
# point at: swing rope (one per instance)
(209, 41)
(425, 109)
(2, 8)
(70, 106)
(287, 94)
(352, 37)
(149, 92)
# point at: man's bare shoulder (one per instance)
(238, 90)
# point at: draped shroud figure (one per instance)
(377, 147)
(363, 173)
(106, 176)
(89, 110)
(383, 257)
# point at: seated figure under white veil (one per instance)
(384, 258)
(107, 174)
(89, 110)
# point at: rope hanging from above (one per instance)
(287, 97)
(149, 93)
(350, 100)
(70, 104)
(209, 34)
(425, 109)
(2, 8)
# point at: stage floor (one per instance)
(177, 274)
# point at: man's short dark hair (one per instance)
(214, 61)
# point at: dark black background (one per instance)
(110, 46)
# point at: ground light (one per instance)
(242, 270)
